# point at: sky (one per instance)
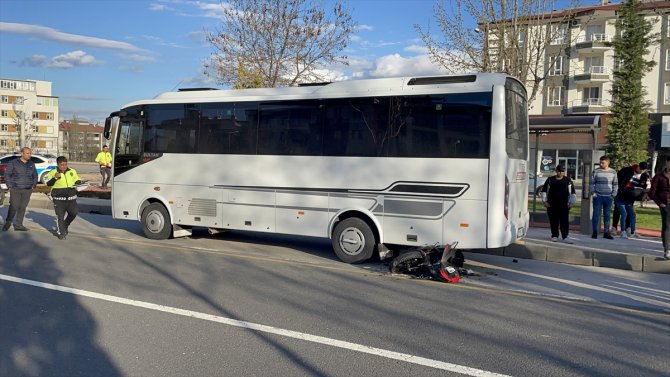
(102, 54)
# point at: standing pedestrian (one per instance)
(64, 194)
(630, 188)
(558, 195)
(21, 178)
(104, 159)
(660, 194)
(603, 187)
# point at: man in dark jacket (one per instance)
(631, 187)
(21, 178)
(558, 195)
(660, 194)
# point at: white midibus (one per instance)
(371, 164)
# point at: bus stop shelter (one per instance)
(580, 124)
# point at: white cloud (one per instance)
(54, 35)
(395, 65)
(417, 49)
(140, 58)
(364, 27)
(64, 61)
(34, 61)
(72, 59)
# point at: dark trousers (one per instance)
(106, 175)
(665, 227)
(558, 217)
(62, 207)
(18, 202)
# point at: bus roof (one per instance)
(349, 88)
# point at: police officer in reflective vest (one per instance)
(104, 158)
(63, 181)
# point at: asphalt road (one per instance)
(246, 304)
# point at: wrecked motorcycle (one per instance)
(430, 261)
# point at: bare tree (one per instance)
(23, 119)
(282, 42)
(511, 36)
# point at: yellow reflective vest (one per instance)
(63, 188)
(104, 159)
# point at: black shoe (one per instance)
(594, 235)
(61, 236)
(6, 227)
(608, 236)
(20, 228)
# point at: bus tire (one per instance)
(406, 262)
(156, 222)
(353, 240)
(538, 191)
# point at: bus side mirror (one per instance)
(108, 127)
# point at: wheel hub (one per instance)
(155, 222)
(352, 241)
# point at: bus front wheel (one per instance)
(156, 222)
(353, 240)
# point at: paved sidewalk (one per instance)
(627, 254)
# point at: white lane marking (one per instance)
(634, 297)
(264, 328)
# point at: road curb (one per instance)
(579, 256)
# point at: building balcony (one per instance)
(593, 74)
(594, 42)
(589, 106)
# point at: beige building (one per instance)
(28, 116)
(81, 140)
(577, 88)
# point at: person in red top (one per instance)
(660, 194)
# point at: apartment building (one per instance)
(28, 116)
(576, 91)
(80, 140)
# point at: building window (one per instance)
(667, 59)
(4, 113)
(50, 116)
(36, 129)
(19, 100)
(591, 96)
(557, 66)
(3, 143)
(558, 34)
(5, 127)
(5, 99)
(555, 96)
(522, 38)
(666, 94)
(36, 115)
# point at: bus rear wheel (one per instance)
(156, 222)
(353, 240)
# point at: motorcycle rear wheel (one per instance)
(406, 262)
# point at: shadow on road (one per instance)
(42, 332)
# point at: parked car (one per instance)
(540, 182)
(42, 164)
